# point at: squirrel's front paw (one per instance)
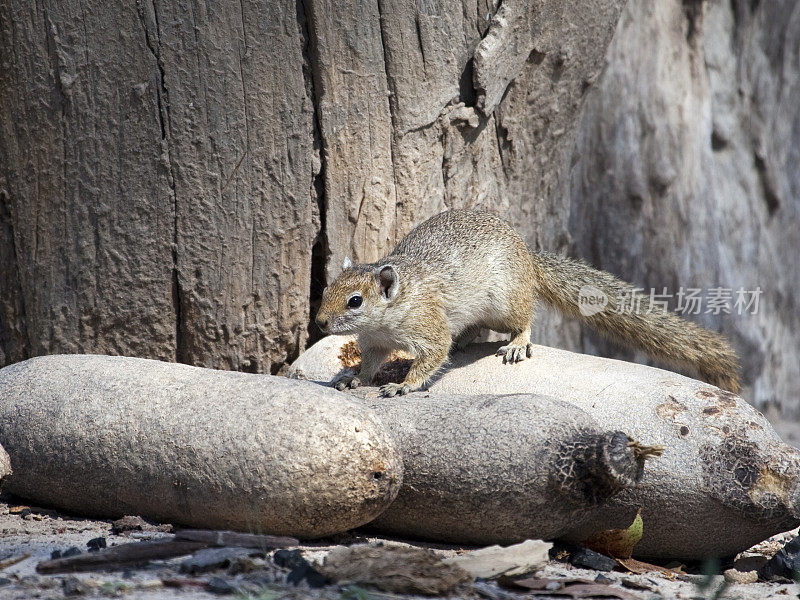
(513, 354)
(343, 382)
(395, 389)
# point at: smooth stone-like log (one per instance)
(501, 469)
(725, 481)
(111, 436)
(325, 359)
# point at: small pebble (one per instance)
(217, 585)
(589, 559)
(288, 559)
(750, 562)
(735, 576)
(151, 584)
(74, 587)
(245, 564)
(553, 586)
(784, 564)
(632, 584)
(305, 572)
(300, 569)
(96, 544)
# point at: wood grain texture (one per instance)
(179, 180)
(449, 148)
(349, 71)
(85, 189)
(240, 142)
(157, 181)
(686, 173)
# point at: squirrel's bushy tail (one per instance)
(663, 335)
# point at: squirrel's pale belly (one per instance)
(480, 315)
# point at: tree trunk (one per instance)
(179, 180)
(157, 191)
(688, 172)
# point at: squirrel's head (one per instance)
(357, 299)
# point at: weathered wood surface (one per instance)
(490, 469)
(687, 172)
(156, 181)
(215, 537)
(120, 557)
(185, 541)
(113, 436)
(178, 181)
(722, 462)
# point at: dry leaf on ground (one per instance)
(617, 543)
(404, 570)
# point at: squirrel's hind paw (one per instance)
(513, 354)
(394, 389)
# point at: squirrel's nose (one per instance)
(322, 322)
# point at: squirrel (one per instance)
(462, 271)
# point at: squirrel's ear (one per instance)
(388, 281)
(347, 263)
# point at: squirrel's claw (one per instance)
(395, 389)
(346, 381)
(513, 354)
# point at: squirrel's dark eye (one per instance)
(354, 302)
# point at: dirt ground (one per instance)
(29, 537)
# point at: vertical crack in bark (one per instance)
(393, 91)
(153, 42)
(466, 90)
(502, 141)
(771, 198)
(419, 43)
(62, 82)
(693, 10)
(246, 150)
(320, 251)
(21, 350)
(57, 63)
(445, 167)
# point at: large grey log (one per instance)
(501, 469)
(724, 482)
(110, 436)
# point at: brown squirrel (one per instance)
(462, 271)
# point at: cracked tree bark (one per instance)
(687, 172)
(157, 170)
(178, 180)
